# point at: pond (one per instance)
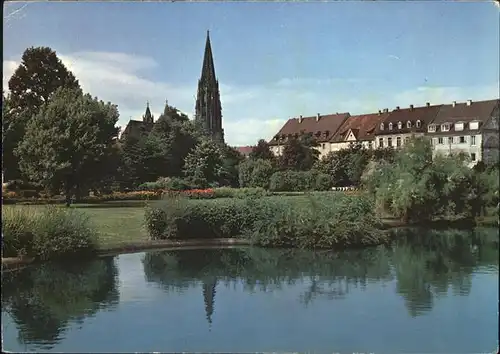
(431, 291)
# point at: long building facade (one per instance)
(468, 127)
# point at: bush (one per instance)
(177, 184)
(50, 233)
(227, 192)
(300, 181)
(17, 185)
(255, 173)
(150, 186)
(322, 221)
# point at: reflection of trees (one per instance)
(430, 262)
(426, 265)
(43, 299)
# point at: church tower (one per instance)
(208, 110)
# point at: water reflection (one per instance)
(43, 300)
(421, 267)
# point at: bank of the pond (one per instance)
(139, 246)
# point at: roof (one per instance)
(461, 112)
(323, 128)
(362, 126)
(424, 114)
(244, 150)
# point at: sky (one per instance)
(274, 60)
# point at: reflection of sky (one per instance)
(374, 319)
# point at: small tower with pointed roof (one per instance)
(208, 110)
(147, 117)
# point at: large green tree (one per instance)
(68, 140)
(33, 84)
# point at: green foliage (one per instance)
(316, 221)
(50, 233)
(68, 140)
(300, 181)
(250, 192)
(231, 159)
(418, 188)
(262, 151)
(204, 164)
(299, 154)
(255, 173)
(40, 74)
(346, 166)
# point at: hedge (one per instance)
(322, 221)
(298, 181)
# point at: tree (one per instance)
(231, 159)
(178, 135)
(299, 154)
(255, 173)
(38, 77)
(262, 151)
(66, 141)
(203, 166)
(33, 83)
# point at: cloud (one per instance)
(249, 112)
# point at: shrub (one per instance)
(255, 173)
(17, 185)
(227, 192)
(322, 221)
(150, 186)
(177, 184)
(50, 233)
(299, 181)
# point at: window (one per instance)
(473, 140)
(398, 141)
(408, 124)
(400, 125)
(473, 125)
(418, 125)
(473, 156)
(407, 140)
(381, 141)
(390, 126)
(381, 126)
(459, 126)
(389, 141)
(440, 140)
(323, 146)
(445, 127)
(462, 139)
(432, 128)
(370, 145)
(450, 140)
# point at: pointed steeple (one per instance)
(147, 117)
(208, 110)
(208, 69)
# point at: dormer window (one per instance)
(381, 126)
(431, 128)
(327, 133)
(459, 126)
(474, 125)
(400, 125)
(390, 126)
(318, 133)
(418, 124)
(445, 127)
(408, 124)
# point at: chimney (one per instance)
(397, 108)
(469, 102)
(411, 107)
(300, 119)
(386, 110)
(454, 103)
(427, 104)
(317, 117)
(379, 112)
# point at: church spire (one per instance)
(208, 69)
(208, 110)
